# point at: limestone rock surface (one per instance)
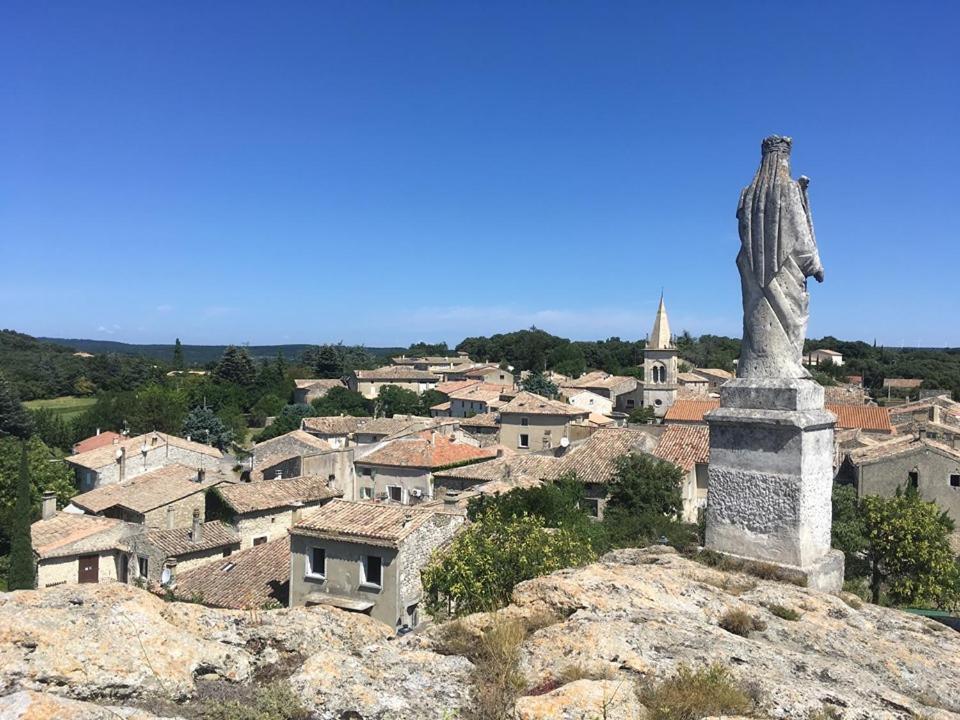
(29, 705)
(584, 700)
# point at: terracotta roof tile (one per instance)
(148, 491)
(246, 580)
(179, 541)
(426, 450)
(684, 445)
(97, 441)
(527, 403)
(593, 460)
(332, 425)
(865, 417)
(308, 383)
(395, 372)
(373, 523)
(514, 467)
(690, 410)
(269, 494)
(481, 420)
(68, 533)
(107, 454)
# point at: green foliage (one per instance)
(20, 575)
(567, 358)
(538, 384)
(422, 349)
(288, 419)
(157, 407)
(909, 552)
(268, 405)
(275, 701)
(337, 361)
(14, 420)
(235, 367)
(202, 425)
(177, 355)
(848, 532)
(46, 471)
(644, 501)
(783, 612)
(428, 399)
(480, 568)
(343, 401)
(50, 427)
(740, 622)
(394, 400)
(642, 415)
(694, 694)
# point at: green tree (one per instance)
(428, 399)
(642, 415)
(644, 501)
(46, 471)
(235, 367)
(14, 420)
(50, 427)
(908, 550)
(21, 574)
(394, 400)
(288, 419)
(539, 384)
(267, 406)
(480, 568)
(177, 355)
(158, 408)
(848, 532)
(343, 401)
(202, 425)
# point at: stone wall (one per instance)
(66, 570)
(539, 427)
(137, 463)
(415, 554)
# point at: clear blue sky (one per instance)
(389, 172)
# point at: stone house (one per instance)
(440, 409)
(125, 459)
(367, 557)
(477, 399)
(531, 422)
(624, 393)
(693, 383)
(162, 498)
(822, 356)
(179, 549)
(488, 373)
(307, 390)
(688, 447)
(369, 382)
(589, 400)
(253, 579)
(337, 430)
(263, 511)
(73, 548)
(485, 428)
(936, 418)
(714, 376)
(298, 454)
(434, 364)
(401, 470)
(497, 475)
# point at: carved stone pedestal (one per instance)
(771, 474)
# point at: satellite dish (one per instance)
(564, 442)
(119, 453)
(165, 576)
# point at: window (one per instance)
(913, 478)
(955, 480)
(371, 571)
(631, 403)
(367, 472)
(658, 403)
(143, 565)
(524, 441)
(366, 493)
(591, 506)
(395, 493)
(524, 421)
(317, 562)
(259, 540)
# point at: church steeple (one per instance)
(660, 337)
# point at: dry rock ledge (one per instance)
(112, 651)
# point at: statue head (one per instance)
(777, 144)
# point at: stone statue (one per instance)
(778, 253)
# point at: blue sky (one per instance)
(390, 172)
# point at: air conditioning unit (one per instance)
(416, 492)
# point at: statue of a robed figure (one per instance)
(778, 253)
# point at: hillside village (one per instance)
(347, 511)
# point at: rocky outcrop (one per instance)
(611, 628)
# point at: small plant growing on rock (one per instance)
(275, 701)
(783, 612)
(693, 694)
(740, 622)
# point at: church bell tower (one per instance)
(660, 365)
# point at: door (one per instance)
(124, 568)
(89, 569)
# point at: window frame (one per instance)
(523, 440)
(365, 570)
(390, 493)
(953, 484)
(310, 570)
(366, 492)
(143, 566)
(259, 540)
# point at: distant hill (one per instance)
(192, 354)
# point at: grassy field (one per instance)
(68, 407)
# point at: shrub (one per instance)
(693, 694)
(784, 613)
(496, 678)
(275, 701)
(740, 622)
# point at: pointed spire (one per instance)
(660, 337)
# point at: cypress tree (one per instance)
(21, 575)
(14, 419)
(178, 355)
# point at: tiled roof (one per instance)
(179, 541)
(97, 441)
(684, 445)
(866, 417)
(909, 383)
(900, 446)
(246, 580)
(845, 394)
(824, 351)
(373, 523)
(715, 374)
(295, 437)
(441, 406)
(395, 372)
(481, 370)
(433, 360)
(481, 420)
(148, 491)
(453, 385)
(68, 533)
(107, 454)
(593, 460)
(600, 379)
(426, 450)
(527, 403)
(332, 425)
(306, 383)
(599, 420)
(944, 402)
(478, 392)
(848, 416)
(390, 426)
(269, 494)
(691, 377)
(690, 410)
(514, 467)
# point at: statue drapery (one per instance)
(778, 253)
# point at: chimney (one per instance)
(188, 438)
(201, 475)
(196, 535)
(116, 440)
(407, 518)
(451, 497)
(297, 513)
(169, 576)
(935, 412)
(170, 518)
(122, 457)
(500, 452)
(98, 432)
(49, 505)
